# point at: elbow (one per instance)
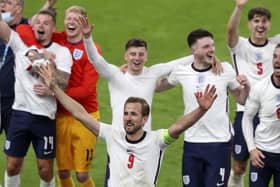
(242, 101)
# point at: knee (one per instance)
(82, 176)
(239, 168)
(63, 174)
(13, 167)
(46, 172)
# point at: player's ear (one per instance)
(54, 28)
(125, 56)
(145, 119)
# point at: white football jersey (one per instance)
(124, 85)
(134, 164)
(25, 97)
(265, 99)
(214, 126)
(254, 61)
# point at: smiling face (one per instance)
(276, 63)
(259, 26)
(133, 119)
(71, 23)
(204, 51)
(136, 57)
(43, 28)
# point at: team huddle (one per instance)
(49, 98)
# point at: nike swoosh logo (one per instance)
(220, 184)
(47, 152)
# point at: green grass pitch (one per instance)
(165, 25)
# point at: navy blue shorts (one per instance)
(206, 164)
(260, 177)
(6, 110)
(26, 128)
(239, 148)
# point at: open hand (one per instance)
(48, 74)
(87, 28)
(206, 99)
(257, 157)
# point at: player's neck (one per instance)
(200, 65)
(135, 137)
(74, 39)
(134, 72)
(258, 41)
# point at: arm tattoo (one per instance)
(62, 79)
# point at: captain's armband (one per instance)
(167, 138)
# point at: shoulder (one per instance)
(226, 64)
(275, 39)
(228, 69)
(261, 86)
(24, 20)
(59, 37)
(242, 42)
(59, 49)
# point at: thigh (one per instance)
(273, 161)
(192, 166)
(83, 146)
(259, 177)
(64, 153)
(240, 151)
(276, 179)
(6, 111)
(43, 136)
(217, 163)
(18, 137)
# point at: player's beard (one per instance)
(132, 129)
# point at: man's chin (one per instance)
(129, 131)
(40, 40)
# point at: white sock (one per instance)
(12, 181)
(235, 180)
(47, 184)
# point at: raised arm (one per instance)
(49, 4)
(5, 30)
(105, 69)
(233, 23)
(48, 74)
(205, 101)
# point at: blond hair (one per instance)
(77, 9)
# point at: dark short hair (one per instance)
(259, 11)
(50, 12)
(136, 42)
(198, 34)
(277, 46)
(144, 105)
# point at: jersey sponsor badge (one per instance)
(254, 176)
(186, 179)
(278, 98)
(77, 54)
(200, 79)
(237, 148)
(259, 56)
(7, 144)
